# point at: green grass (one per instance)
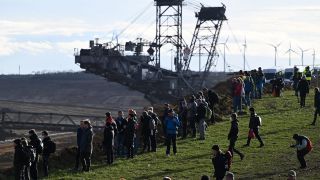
(281, 117)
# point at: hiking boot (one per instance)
(261, 145)
(241, 156)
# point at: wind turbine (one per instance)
(275, 46)
(302, 53)
(290, 51)
(224, 53)
(244, 53)
(314, 57)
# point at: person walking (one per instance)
(79, 135)
(130, 132)
(304, 146)
(254, 125)
(86, 146)
(233, 135)
(219, 163)
(316, 105)
(36, 143)
(303, 88)
(172, 124)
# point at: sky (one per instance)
(40, 35)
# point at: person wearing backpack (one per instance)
(18, 160)
(316, 105)
(254, 125)
(172, 124)
(86, 146)
(48, 148)
(36, 143)
(219, 162)
(233, 135)
(304, 146)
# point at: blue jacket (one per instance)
(172, 124)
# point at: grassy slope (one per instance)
(281, 118)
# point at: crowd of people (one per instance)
(192, 118)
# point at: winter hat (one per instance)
(251, 109)
(108, 114)
(234, 115)
(216, 147)
(295, 136)
(32, 131)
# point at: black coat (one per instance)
(18, 156)
(108, 133)
(145, 120)
(254, 122)
(317, 100)
(130, 130)
(303, 87)
(86, 140)
(219, 164)
(36, 143)
(46, 145)
(234, 130)
(201, 111)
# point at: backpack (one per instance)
(258, 121)
(29, 155)
(228, 160)
(51, 146)
(208, 113)
(152, 124)
(309, 145)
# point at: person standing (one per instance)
(316, 105)
(18, 159)
(233, 135)
(260, 83)
(304, 146)
(145, 130)
(248, 88)
(308, 74)
(108, 141)
(27, 148)
(120, 121)
(183, 117)
(172, 124)
(130, 132)
(192, 115)
(303, 88)
(79, 135)
(254, 125)
(153, 128)
(219, 163)
(47, 150)
(201, 116)
(213, 99)
(86, 146)
(37, 144)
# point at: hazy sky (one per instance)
(40, 35)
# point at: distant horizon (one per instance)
(42, 35)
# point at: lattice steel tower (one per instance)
(169, 29)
